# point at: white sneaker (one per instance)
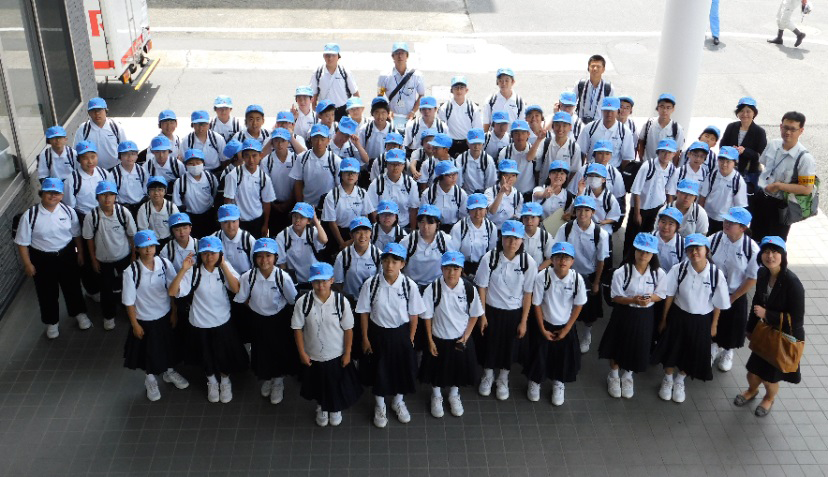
(614, 386)
(678, 391)
(666, 390)
(153, 394)
(502, 389)
(176, 379)
(715, 353)
(226, 392)
(84, 322)
(277, 392)
(485, 388)
(212, 392)
(380, 419)
(726, 360)
(586, 340)
(533, 391)
(266, 387)
(456, 405)
(109, 324)
(437, 406)
(96, 297)
(627, 388)
(335, 418)
(52, 331)
(321, 417)
(558, 393)
(402, 412)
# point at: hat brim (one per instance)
(209, 249)
(51, 189)
(734, 220)
(392, 254)
(230, 218)
(185, 222)
(147, 244)
(645, 248)
(509, 171)
(689, 191)
(511, 234)
(475, 141)
(562, 252)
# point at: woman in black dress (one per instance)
(749, 138)
(778, 291)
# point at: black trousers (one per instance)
(714, 226)
(766, 217)
(253, 226)
(340, 112)
(647, 224)
(56, 272)
(203, 224)
(133, 209)
(458, 146)
(89, 278)
(109, 281)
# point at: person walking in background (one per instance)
(784, 22)
(714, 21)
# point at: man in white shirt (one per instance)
(105, 133)
(56, 160)
(403, 87)
(332, 81)
(593, 90)
(505, 99)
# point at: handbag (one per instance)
(799, 207)
(781, 350)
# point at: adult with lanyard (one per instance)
(748, 138)
(404, 86)
(788, 168)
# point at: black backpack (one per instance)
(77, 181)
(167, 204)
(308, 239)
(469, 110)
(437, 293)
(398, 233)
(596, 233)
(48, 157)
(373, 288)
(347, 258)
(628, 276)
(714, 277)
(120, 213)
(647, 126)
(547, 281)
(747, 250)
(440, 239)
(582, 91)
(279, 278)
(344, 80)
(734, 185)
(518, 101)
(240, 176)
(211, 181)
(431, 195)
(86, 129)
(136, 271)
(331, 161)
(494, 260)
(244, 239)
(234, 128)
(465, 226)
(196, 281)
(407, 181)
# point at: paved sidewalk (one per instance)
(68, 407)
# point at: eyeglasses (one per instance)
(790, 129)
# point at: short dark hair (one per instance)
(794, 116)
(743, 106)
(783, 264)
(597, 58)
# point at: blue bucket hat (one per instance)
(512, 228)
(157, 180)
(689, 186)
(596, 168)
(304, 209)
(429, 210)
(267, 245)
(394, 138)
(672, 213)
(228, 212)
(562, 117)
(106, 187)
(347, 126)
(321, 271)
(160, 143)
(145, 238)
(252, 145)
(559, 165)
(476, 201)
(399, 45)
(428, 102)
(668, 144)
(738, 215)
(696, 240)
(396, 156)
(444, 168)
(349, 164)
(285, 117)
(476, 136)
(190, 154)
(388, 207)
(167, 115)
(354, 102)
(602, 145)
(610, 103)
(441, 140)
(698, 145)
(320, 130)
(55, 131)
(531, 209)
(459, 79)
(520, 125)
(774, 240)
(563, 248)
(508, 166)
(223, 101)
(281, 133)
(505, 71)
(232, 148)
(666, 97)
(96, 103)
(428, 132)
(500, 117)
(729, 152)
(584, 201)
(85, 146)
(359, 222)
(330, 49)
(452, 258)
(179, 219)
(199, 117)
(254, 108)
(304, 91)
(568, 98)
(52, 184)
(210, 243)
(127, 146)
(324, 105)
(646, 242)
(396, 250)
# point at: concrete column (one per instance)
(680, 54)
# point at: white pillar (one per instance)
(680, 54)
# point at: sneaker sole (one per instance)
(380, 425)
(177, 386)
(155, 398)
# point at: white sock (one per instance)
(151, 378)
(503, 375)
(279, 381)
(225, 380)
(714, 348)
(380, 401)
(680, 378)
(435, 391)
(454, 391)
(489, 373)
(212, 379)
(587, 331)
(563, 386)
(398, 398)
(614, 373)
(627, 374)
(668, 377)
(170, 371)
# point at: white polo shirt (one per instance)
(493, 144)
(389, 308)
(316, 173)
(639, 285)
(687, 172)
(148, 217)
(280, 175)
(298, 256)
(362, 267)
(211, 302)
(348, 149)
(779, 165)
(513, 105)
(557, 301)
(82, 197)
(249, 191)
(266, 297)
(239, 250)
(171, 170)
(655, 134)
(323, 329)
(342, 207)
(226, 130)
(614, 181)
(623, 148)
(414, 127)
(460, 118)
(694, 294)
(176, 254)
(243, 134)
(212, 147)
(475, 242)
(476, 173)
(199, 194)
(670, 252)
(402, 102)
(451, 317)
(380, 238)
(111, 243)
(737, 260)
(332, 86)
(722, 193)
(150, 299)
(403, 192)
(379, 166)
(526, 177)
(304, 123)
(423, 265)
(52, 164)
(509, 206)
(52, 231)
(587, 252)
(452, 204)
(506, 284)
(602, 213)
(552, 203)
(569, 152)
(537, 247)
(106, 140)
(132, 186)
(372, 137)
(653, 192)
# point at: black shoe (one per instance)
(715, 40)
(799, 38)
(776, 41)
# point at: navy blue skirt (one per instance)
(685, 344)
(154, 353)
(628, 337)
(391, 367)
(556, 360)
(273, 351)
(329, 384)
(451, 366)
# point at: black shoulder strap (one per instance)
(437, 293)
(717, 240)
(412, 243)
(400, 85)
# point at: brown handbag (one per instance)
(781, 350)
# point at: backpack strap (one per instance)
(374, 288)
(307, 304)
(717, 240)
(441, 242)
(412, 243)
(318, 77)
(437, 293)
(346, 261)
(627, 275)
(581, 95)
(345, 80)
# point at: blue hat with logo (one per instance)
(696, 240)
(568, 98)
(285, 117)
(610, 103)
(562, 117)
(160, 143)
(444, 168)
(223, 101)
(348, 126)
(475, 136)
(323, 105)
(626, 99)
(55, 131)
(500, 117)
(672, 213)
(738, 215)
(254, 108)
(281, 133)
(713, 130)
(199, 117)
(476, 201)
(534, 107)
(304, 209)
(428, 102)
(85, 146)
(179, 219)
(228, 212)
(699, 145)
(729, 152)
(252, 145)
(267, 245)
(441, 140)
(304, 91)
(96, 103)
(452, 258)
(505, 71)
(666, 97)
(512, 228)
(395, 156)
(167, 115)
(531, 209)
(190, 154)
(396, 250)
(559, 165)
(429, 210)
(646, 242)
(667, 144)
(349, 164)
(145, 238)
(394, 138)
(746, 101)
(379, 100)
(52, 184)
(584, 201)
(354, 102)
(399, 45)
(459, 79)
(520, 125)
(388, 207)
(602, 145)
(774, 240)
(232, 148)
(330, 49)
(596, 168)
(127, 146)
(157, 180)
(210, 243)
(428, 132)
(321, 271)
(106, 187)
(359, 222)
(563, 248)
(508, 166)
(321, 130)
(689, 186)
